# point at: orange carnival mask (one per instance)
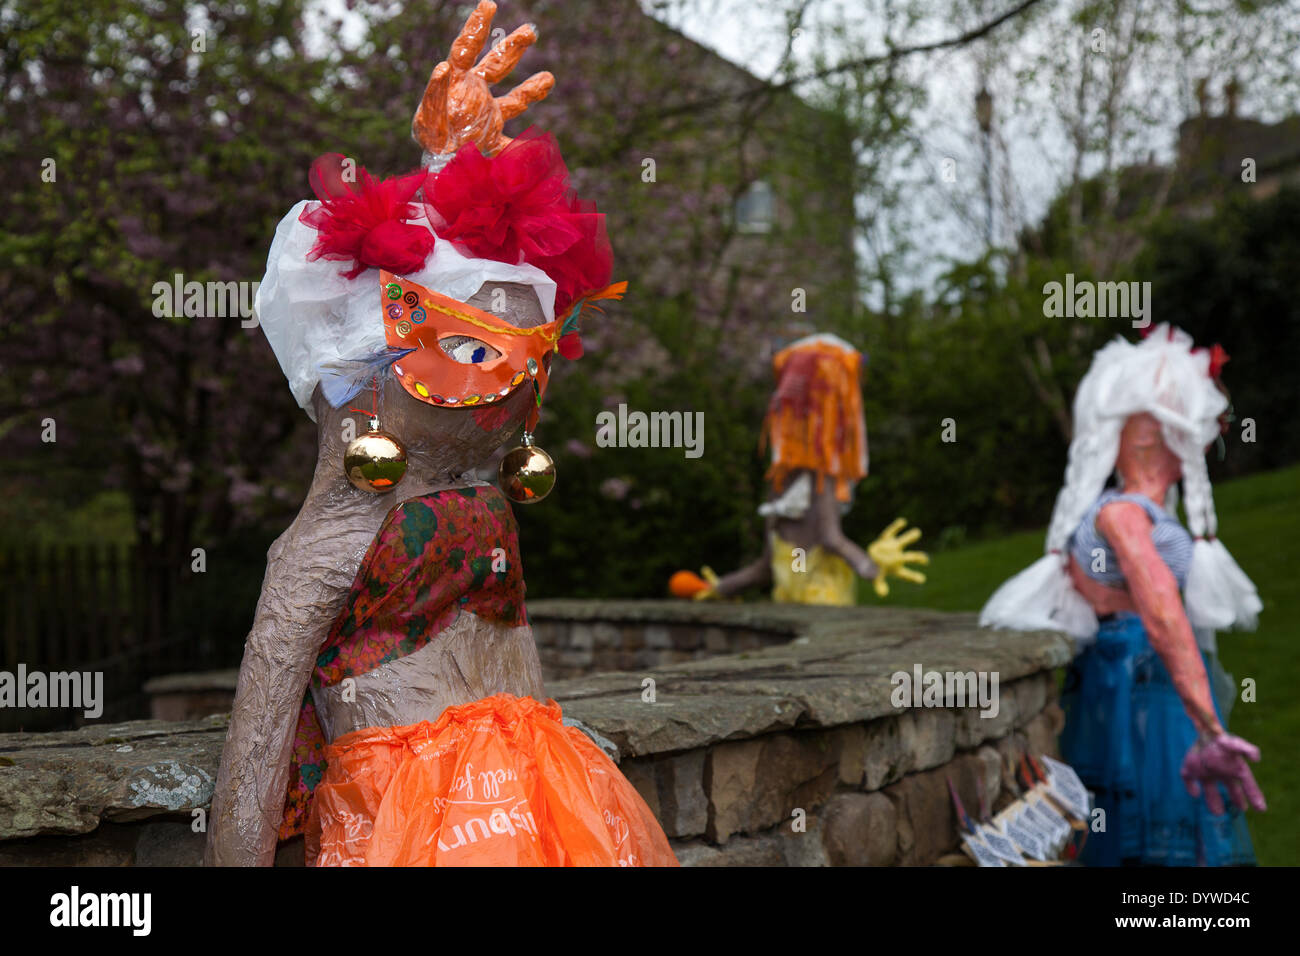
(435, 325)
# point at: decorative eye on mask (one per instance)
(467, 350)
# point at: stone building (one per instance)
(1218, 151)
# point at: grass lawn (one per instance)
(1259, 522)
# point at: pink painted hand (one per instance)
(1223, 760)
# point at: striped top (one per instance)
(1173, 543)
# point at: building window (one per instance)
(756, 208)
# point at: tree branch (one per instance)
(894, 53)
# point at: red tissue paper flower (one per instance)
(518, 207)
(1218, 359)
(364, 221)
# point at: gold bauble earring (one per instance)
(527, 474)
(375, 461)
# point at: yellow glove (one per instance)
(711, 591)
(887, 551)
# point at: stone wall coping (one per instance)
(70, 781)
(834, 671)
(759, 616)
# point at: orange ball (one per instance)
(686, 584)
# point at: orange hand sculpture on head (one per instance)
(458, 106)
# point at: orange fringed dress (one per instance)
(814, 420)
(467, 770)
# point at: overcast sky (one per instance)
(1031, 153)
(1031, 159)
(942, 218)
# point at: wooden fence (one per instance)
(105, 608)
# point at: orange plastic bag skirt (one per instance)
(497, 782)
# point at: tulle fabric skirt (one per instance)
(1126, 734)
(496, 782)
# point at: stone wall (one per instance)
(790, 753)
(576, 638)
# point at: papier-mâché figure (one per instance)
(1143, 599)
(390, 703)
(818, 438)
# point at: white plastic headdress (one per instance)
(1164, 376)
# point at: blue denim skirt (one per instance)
(1126, 734)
